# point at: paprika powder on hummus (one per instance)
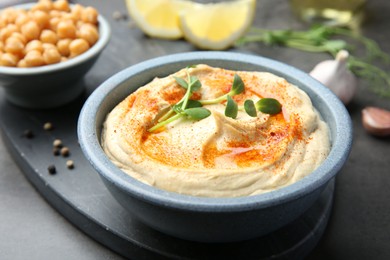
(217, 156)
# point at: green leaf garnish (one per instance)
(231, 109)
(238, 86)
(181, 82)
(269, 106)
(197, 113)
(195, 84)
(193, 109)
(165, 122)
(250, 108)
(177, 107)
(193, 103)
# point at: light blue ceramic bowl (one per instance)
(212, 219)
(52, 85)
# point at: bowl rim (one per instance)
(104, 37)
(90, 144)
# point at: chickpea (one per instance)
(79, 24)
(3, 23)
(4, 16)
(66, 29)
(12, 27)
(22, 19)
(31, 30)
(89, 15)
(9, 15)
(48, 33)
(53, 23)
(89, 33)
(47, 46)
(41, 18)
(4, 34)
(63, 46)
(69, 16)
(19, 36)
(51, 56)
(77, 47)
(7, 31)
(43, 5)
(33, 45)
(15, 46)
(77, 10)
(22, 64)
(9, 60)
(61, 5)
(55, 13)
(48, 36)
(34, 58)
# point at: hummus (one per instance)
(217, 156)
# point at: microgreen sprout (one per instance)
(231, 108)
(237, 88)
(185, 107)
(250, 108)
(268, 106)
(193, 109)
(265, 105)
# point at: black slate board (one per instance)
(80, 196)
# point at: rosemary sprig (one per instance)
(321, 38)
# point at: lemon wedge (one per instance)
(216, 26)
(158, 18)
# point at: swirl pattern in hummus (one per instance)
(217, 156)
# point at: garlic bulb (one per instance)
(335, 75)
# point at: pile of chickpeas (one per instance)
(50, 32)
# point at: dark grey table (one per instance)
(359, 227)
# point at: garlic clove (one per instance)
(335, 75)
(376, 121)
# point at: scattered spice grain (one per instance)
(28, 133)
(51, 169)
(118, 15)
(48, 126)
(57, 143)
(70, 164)
(56, 151)
(65, 151)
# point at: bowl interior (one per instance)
(104, 36)
(115, 89)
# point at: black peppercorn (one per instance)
(51, 169)
(28, 133)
